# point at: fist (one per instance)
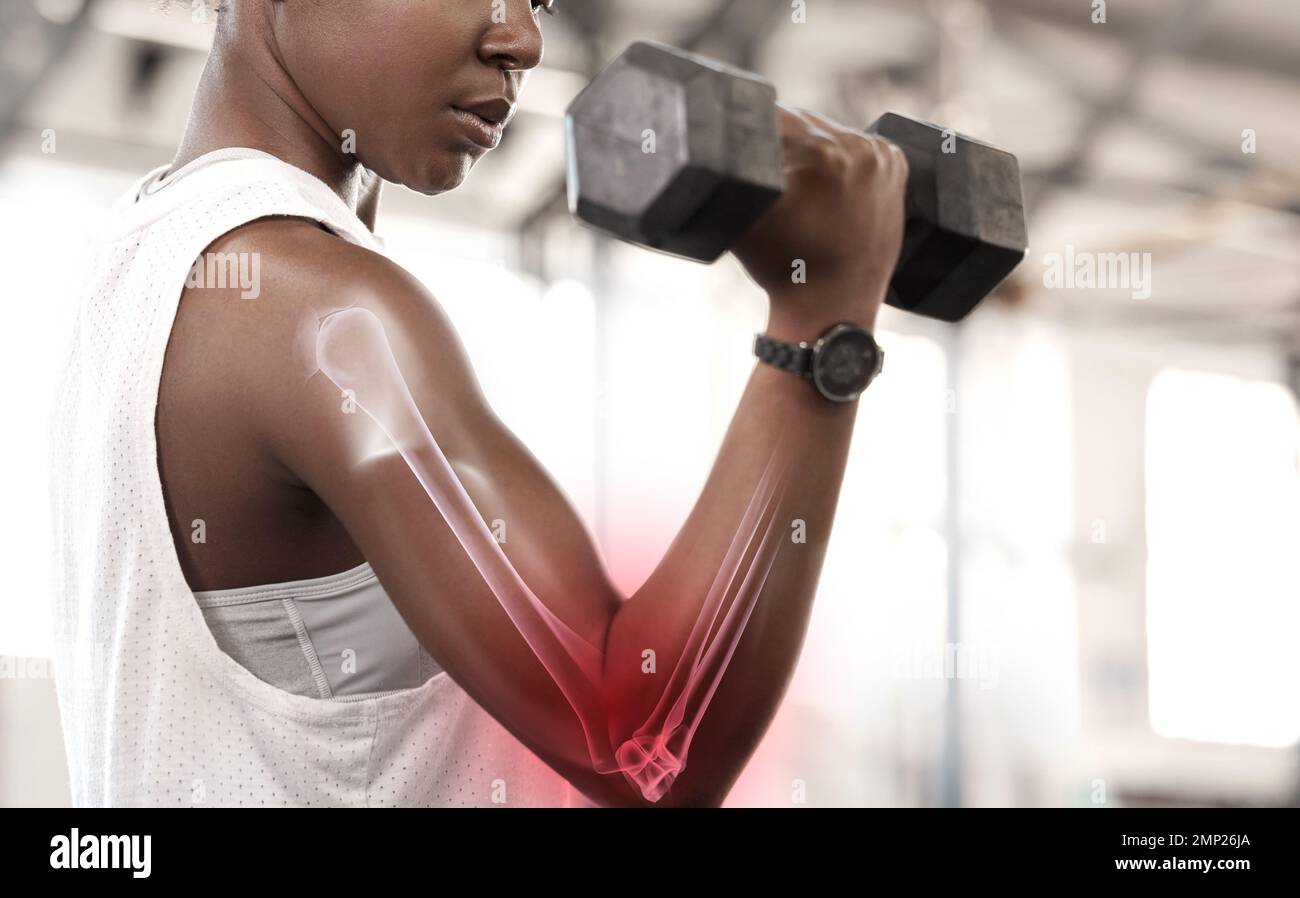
(830, 244)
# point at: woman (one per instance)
(261, 603)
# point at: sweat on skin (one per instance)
(353, 351)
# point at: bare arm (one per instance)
(459, 615)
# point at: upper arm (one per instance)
(347, 460)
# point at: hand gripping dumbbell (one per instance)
(682, 154)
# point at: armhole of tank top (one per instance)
(309, 214)
(230, 676)
(321, 223)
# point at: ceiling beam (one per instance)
(1217, 46)
(1177, 32)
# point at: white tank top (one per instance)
(153, 711)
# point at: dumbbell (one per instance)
(682, 154)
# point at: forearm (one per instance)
(776, 406)
(732, 595)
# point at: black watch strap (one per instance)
(840, 363)
(786, 356)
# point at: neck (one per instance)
(248, 100)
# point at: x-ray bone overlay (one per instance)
(353, 351)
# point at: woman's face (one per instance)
(426, 86)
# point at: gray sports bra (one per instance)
(334, 637)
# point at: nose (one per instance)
(513, 39)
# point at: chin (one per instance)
(442, 173)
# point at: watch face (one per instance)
(846, 362)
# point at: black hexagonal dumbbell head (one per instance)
(965, 219)
(674, 152)
(682, 154)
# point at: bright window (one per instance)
(49, 208)
(1223, 571)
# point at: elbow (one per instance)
(628, 795)
(649, 785)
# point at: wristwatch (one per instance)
(841, 363)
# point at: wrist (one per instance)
(804, 312)
(795, 325)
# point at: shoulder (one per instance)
(300, 273)
(260, 339)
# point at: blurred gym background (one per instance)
(1066, 564)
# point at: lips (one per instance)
(496, 111)
(478, 129)
(485, 121)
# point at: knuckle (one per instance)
(881, 146)
(829, 152)
(868, 149)
(886, 156)
(868, 160)
(839, 160)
